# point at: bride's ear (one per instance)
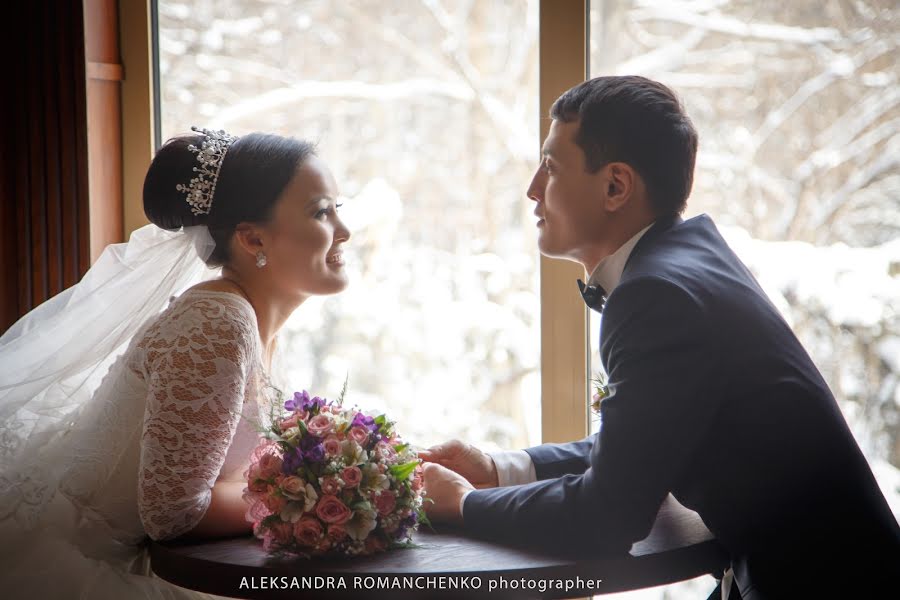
(248, 239)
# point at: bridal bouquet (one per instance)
(330, 481)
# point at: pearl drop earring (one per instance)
(260, 259)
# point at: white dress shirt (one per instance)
(514, 467)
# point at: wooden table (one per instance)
(447, 564)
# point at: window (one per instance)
(425, 112)
(796, 105)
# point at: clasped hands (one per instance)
(450, 470)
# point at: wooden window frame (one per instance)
(563, 63)
(138, 126)
(565, 348)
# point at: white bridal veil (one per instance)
(53, 359)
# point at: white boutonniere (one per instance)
(601, 391)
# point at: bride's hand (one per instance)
(467, 460)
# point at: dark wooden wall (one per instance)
(45, 192)
(104, 119)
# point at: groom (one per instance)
(712, 398)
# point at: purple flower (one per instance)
(302, 401)
(405, 525)
(409, 521)
(361, 420)
(297, 402)
(292, 461)
(312, 449)
(316, 402)
(309, 442)
(315, 454)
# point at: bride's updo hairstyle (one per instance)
(256, 169)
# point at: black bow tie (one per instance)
(594, 295)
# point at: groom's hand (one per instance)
(467, 460)
(445, 489)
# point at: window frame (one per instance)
(563, 52)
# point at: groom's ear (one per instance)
(248, 239)
(620, 182)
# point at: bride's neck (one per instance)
(271, 305)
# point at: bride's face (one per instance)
(306, 234)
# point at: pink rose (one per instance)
(277, 534)
(258, 486)
(255, 481)
(274, 535)
(269, 465)
(336, 532)
(417, 481)
(259, 530)
(292, 420)
(384, 451)
(359, 435)
(385, 503)
(293, 486)
(351, 476)
(257, 511)
(308, 531)
(331, 510)
(320, 425)
(274, 503)
(332, 446)
(330, 485)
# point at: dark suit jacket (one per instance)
(713, 399)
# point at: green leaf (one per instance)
(404, 545)
(270, 520)
(310, 476)
(423, 518)
(402, 472)
(343, 393)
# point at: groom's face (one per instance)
(567, 197)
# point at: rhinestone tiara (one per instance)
(199, 191)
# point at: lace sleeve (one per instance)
(197, 366)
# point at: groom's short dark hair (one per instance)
(637, 121)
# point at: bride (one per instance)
(139, 407)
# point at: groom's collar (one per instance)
(607, 274)
(660, 226)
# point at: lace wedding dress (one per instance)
(176, 412)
